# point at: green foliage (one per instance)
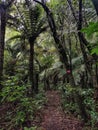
(70, 106)
(47, 60)
(12, 91)
(31, 128)
(95, 50)
(24, 107)
(91, 29)
(27, 21)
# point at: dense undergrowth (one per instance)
(87, 100)
(22, 110)
(40, 52)
(18, 107)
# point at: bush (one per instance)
(70, 106)
(23, 106)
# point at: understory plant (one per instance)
(87, 99)
(22, 107)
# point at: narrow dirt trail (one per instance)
(54, 117)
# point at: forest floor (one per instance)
(53, 116)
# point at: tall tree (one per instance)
(3, 17)
(32, 26)
(59, 46)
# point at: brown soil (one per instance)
(54, 117)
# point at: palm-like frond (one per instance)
(31, 20)
(14, 38)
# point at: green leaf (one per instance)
(95, 50)
(91, 29)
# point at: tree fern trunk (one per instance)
(31, 65)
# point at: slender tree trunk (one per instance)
(36, 82)
(2, 40)
(79, 27)
(87, 64)
(3, 9)
(31, 65)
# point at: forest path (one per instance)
(54, 117)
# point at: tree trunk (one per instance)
(2, 39)
(31, 65)
(36, 81)
(83, 39)
(46, 82)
